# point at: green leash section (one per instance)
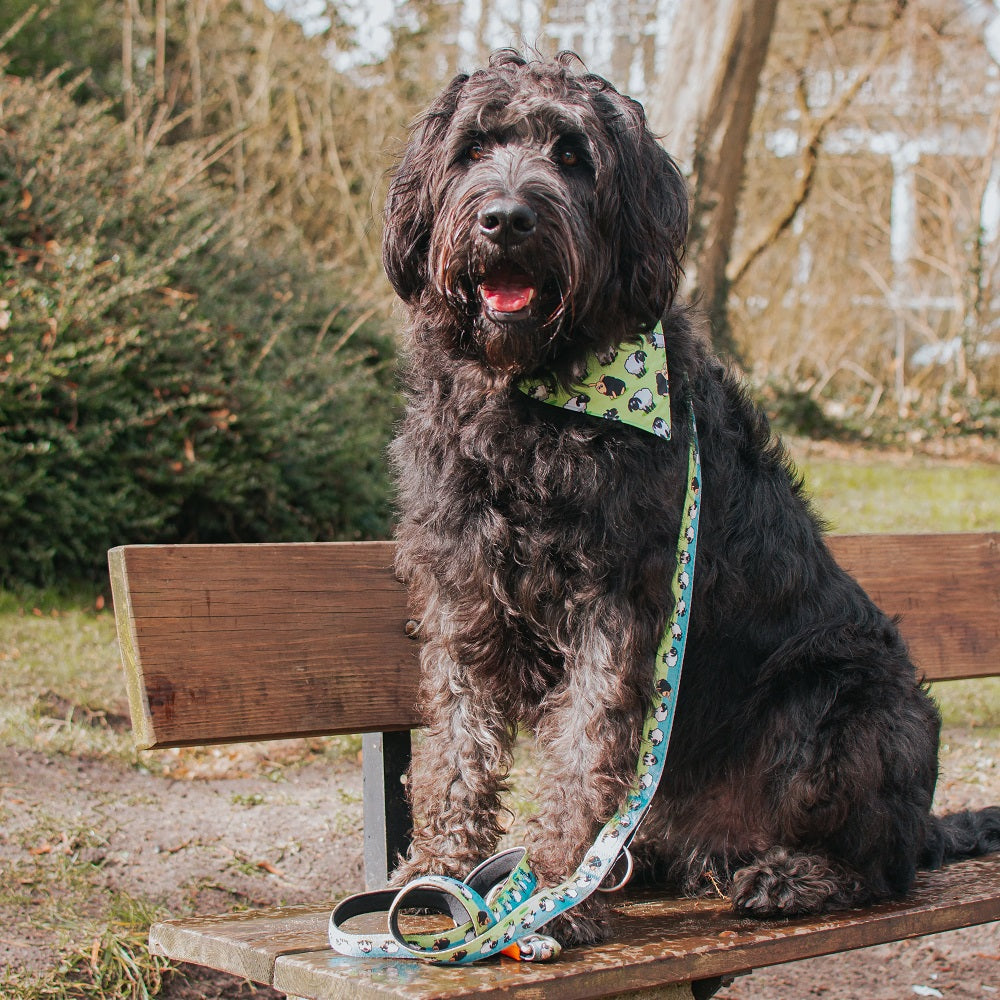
(498, 907)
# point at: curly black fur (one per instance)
(539, 545)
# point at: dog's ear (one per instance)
(409, 211)
(648, 203)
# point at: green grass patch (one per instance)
(971, 703)
(110, 961)
(61, 687)
(54, 891)
(860, 496)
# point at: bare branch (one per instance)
(810, 158)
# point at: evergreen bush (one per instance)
(79, 40)
(165, 374)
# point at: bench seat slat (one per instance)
(245, 943)
(229, 643)
(656, 942)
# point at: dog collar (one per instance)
(498, 907)
(627, 385)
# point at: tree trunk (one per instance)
(705, 105)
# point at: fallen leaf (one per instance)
(173, 850)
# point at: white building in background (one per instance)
(904, 118)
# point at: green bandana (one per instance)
(631, 386)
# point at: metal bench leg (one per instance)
(701, 989)
(385, 759)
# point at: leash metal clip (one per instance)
(624, 879)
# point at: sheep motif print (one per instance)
(630, 385)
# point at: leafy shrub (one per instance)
(78, 39)
(165, 374)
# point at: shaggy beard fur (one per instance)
(539, 545)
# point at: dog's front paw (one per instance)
(785, 884)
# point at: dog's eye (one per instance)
(475, 152)
(567, 157)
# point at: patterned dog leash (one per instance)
(498, 907)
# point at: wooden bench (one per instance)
(231, 643)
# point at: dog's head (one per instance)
(536, 212)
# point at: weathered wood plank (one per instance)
(656, 942)
(223, 643)
(244, 944)
(945, 588)
(135, 684)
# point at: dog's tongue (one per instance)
(507, 295)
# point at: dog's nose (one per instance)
(507, 220)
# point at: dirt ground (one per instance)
(234, 827)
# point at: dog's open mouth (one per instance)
(507, 293)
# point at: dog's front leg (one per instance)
(458, 771)
(589, 738)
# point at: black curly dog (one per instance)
(534, 220)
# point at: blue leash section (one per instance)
(499, 907)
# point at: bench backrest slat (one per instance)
(229, 643)
(945, 588)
